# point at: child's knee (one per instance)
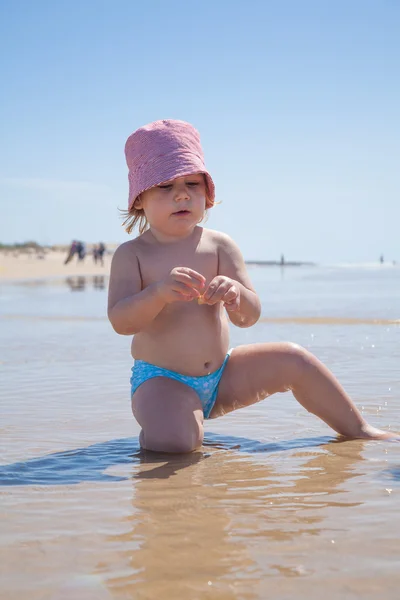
(299, 360)
(174, 440)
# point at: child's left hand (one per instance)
(223, 289)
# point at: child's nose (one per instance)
(182, 193)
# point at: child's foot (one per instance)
(371, 433)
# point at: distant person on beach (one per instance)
(98, 253)
(71, 252)
(176, 286)
(77, 248)
(81, 250)
(95, 254)
(101, 248)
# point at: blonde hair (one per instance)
(132, 217)
(136, 217)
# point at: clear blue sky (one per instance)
(297, 103)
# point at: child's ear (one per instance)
(138, 204)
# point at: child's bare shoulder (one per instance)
(220, 239)
(217, 236)
(130, 248)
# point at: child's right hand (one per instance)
(182, 284)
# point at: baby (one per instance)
(176, 286)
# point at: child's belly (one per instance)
(187, 338)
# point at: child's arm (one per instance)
(233, 287)
(131, 309)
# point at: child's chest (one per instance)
(157, 263)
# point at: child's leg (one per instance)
(170, 414)
(256, 371)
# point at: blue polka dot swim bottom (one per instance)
(205, 386)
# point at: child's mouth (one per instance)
(182, 212)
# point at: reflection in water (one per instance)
(393, 474)
(199, 521)
(99, 282)
(76, 283)
(79, 282)
(216, 523)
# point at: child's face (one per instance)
(175, 206)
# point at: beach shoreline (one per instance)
(29, 266)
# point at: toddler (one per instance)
(175, 288)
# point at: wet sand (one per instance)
(273, 506)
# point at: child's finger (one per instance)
(212, 296)
(189, 284)
(232, 306)
(212, 288)
(192, 274)
(185, 289)
(217, 296)
(189, 280)
(185, 298)
(231, 294)
(232, 299)
(216, 291)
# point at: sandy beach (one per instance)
(23, 266)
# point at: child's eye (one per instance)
(192, 183)
(168, 186)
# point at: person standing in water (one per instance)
(175, 288)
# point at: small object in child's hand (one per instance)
(200, 300)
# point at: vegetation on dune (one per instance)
(21, 246)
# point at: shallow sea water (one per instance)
(273, 506)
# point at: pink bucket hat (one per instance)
(162, 151)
